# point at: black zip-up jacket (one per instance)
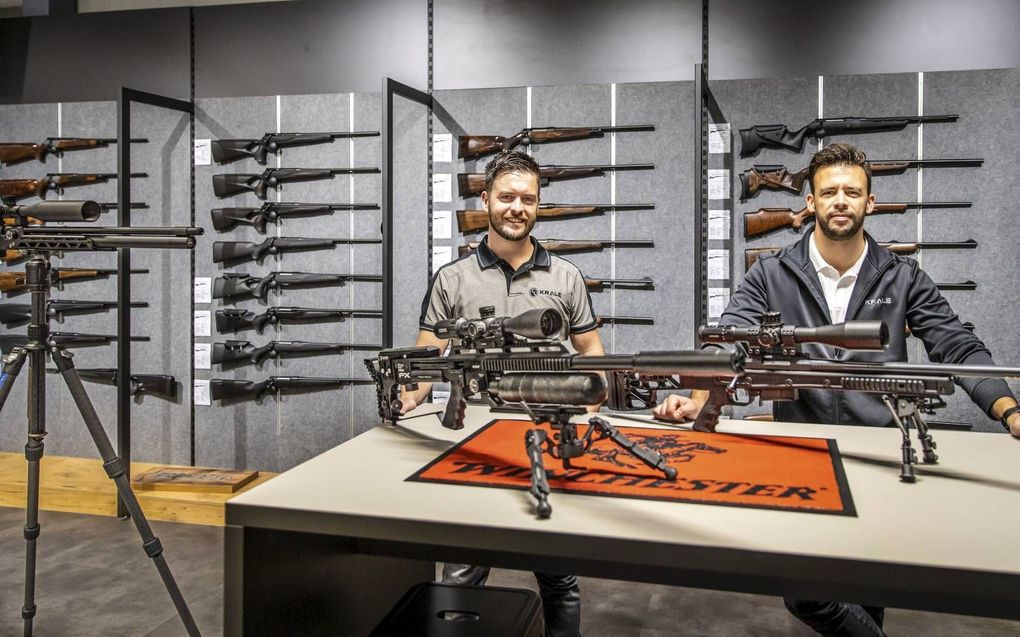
(889, 288)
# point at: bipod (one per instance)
(37, 276)
(565, 445)
(907, 411)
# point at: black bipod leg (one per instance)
(924, 436)
(649, 456)
(114, 468)
(534, 440)
(909, 455)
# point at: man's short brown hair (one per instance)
(838, 154)
(510, 161)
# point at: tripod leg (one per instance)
(114, 467)
(924, 436)
(533, 441)
(650, 457)
(909, 456)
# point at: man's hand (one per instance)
(677, 408)
(1014, 424)
(407, 403)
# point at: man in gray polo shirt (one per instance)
(508, 274)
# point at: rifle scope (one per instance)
(573, 388)
(773, 335)
(535, 324)
(54, 211)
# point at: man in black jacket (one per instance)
(837, 272)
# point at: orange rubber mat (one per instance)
(775, 472)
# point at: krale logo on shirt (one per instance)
(538, 292)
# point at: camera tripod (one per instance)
(566, 444)
(38, 277)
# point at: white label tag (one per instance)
(718, 299)
(442, 228)
(718, 138)
(203, 152)
(719, 225)
(441, 255)
(718, 183)
(442, 145)
(203, 289)
(718, 264)
(441, 190)
(203, 357)
(200, 392)
(203, 323)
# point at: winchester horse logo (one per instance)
(673, 450)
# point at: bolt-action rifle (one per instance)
(767, 220)
(574, 245)
(775, 177)
(241, 390)
(471, 184)
(469, 221)
(233, 320)
(755, 138)
(228, 185)
(234, 252)
(224, 219)
(17, 314)
(244, 353)
(235, 285)
(600, 285)
(12, 153)
(16, 189)
(13, 283)
(477, 145)
(158, 385)
(751, 255)
(225, 151)
(69, 339)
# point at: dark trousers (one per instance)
(838, 619)
(561, 596)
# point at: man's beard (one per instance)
(844, 233)
(499, 225)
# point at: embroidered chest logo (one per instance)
(538, 292)
(879, 301)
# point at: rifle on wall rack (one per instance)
(779, 136)
(224, 219)
(12, 153)
(471, 184)
(475, 220)
(226, 151)
(478, 145)
(766, 220)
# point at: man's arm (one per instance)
(588, 344)
(411, 399)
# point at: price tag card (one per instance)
(718, 138)
(718, 299)
(719, 225)
(203, 356)
(442, 147)
(200, 393)
(442, 227)
(441, 189)
(718, 264)
(441, 255)
(203, 323)
(203, 289)
(203, 152)
(718, 183)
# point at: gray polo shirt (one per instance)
(480, 279)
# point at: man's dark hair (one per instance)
(510, 161)
(838, 154)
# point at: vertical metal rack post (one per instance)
(124, 100)
(701, 98)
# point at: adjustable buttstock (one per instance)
(476, 145)
(225, 151)
(224, 219)
(228, 185)
(755, 138)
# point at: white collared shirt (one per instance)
(837, 289)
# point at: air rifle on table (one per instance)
(16, 314)
(478, 145)
(225, 151)
(777, 369)
(471, 184)
(775, 177)
(767, 220)
(244, 353)
(12, 153)
(234, 252)
(751, 255)
(158, 385)
(230, 184)
(241, 390)
(224, 219)
(231, 320)
(235, 285)
(475, 220)
(574, 245)
(21, 188)
(755, 138)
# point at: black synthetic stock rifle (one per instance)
(755, 138)
(776, 177)
(513, 360)
(272, 212)
(18, 152)
(21, 188)
(234, 252)
(67, 339)
(751, 255)
(239, 390)
(600, 285)
(158, 385)
(243, 352)
(232, 320)
(575, 245)
(225, 151)
(230, 184)
(237, 285)
(16, 314)
(13, 283)
(624, 320)
(471, 184)
(766, 220)
(777, 369)
(478, 145)
(475, 220)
